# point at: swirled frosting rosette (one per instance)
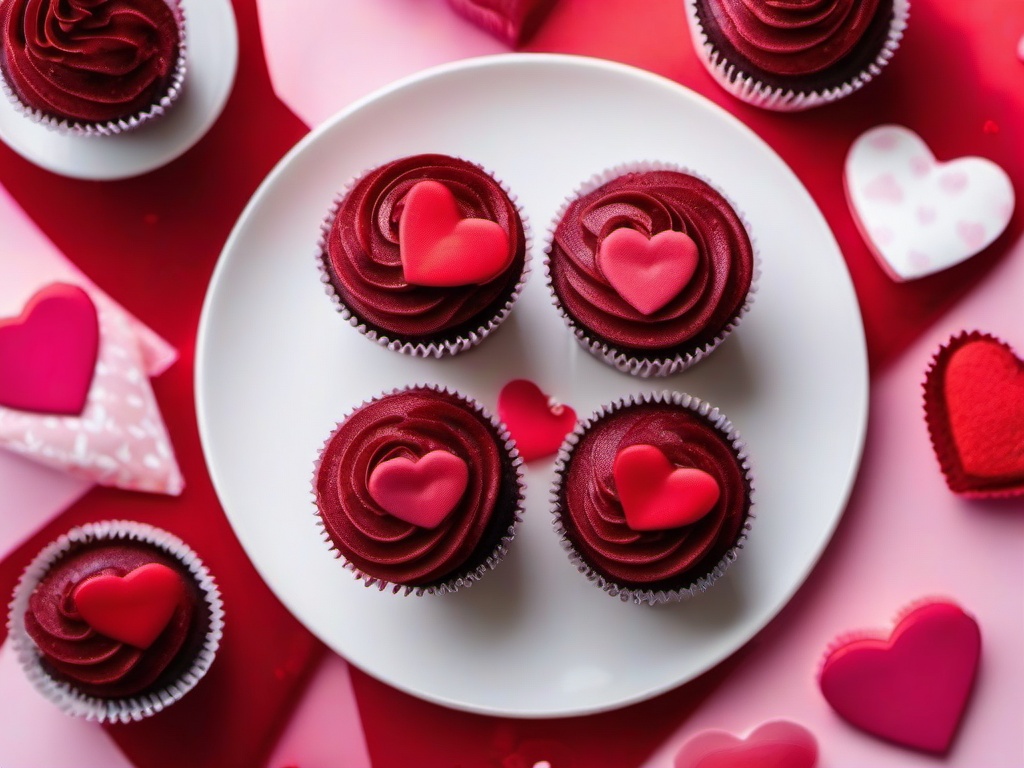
(116, 620)
(419, 490)
(93, 67)
(651, 267)
(795, 55)
(424, 255)
(652, 497)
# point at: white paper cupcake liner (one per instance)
(437, 349)
(125, 124)
(63, 694)
(640, 595)
(461, 580)
(751, 90)
(653, 365)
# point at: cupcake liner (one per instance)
(124, 124)
(460, 579)
(62, 693)
(653, 365)
(751, 90)
(436, 349)
(641, 595)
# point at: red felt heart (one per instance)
(48, 353)
(974, 406)
(648, 274)
(441, 249)
(512, 21)
(656, 495)
(133, 609)
(777, 744)
(911, 688)
(422, 492)
(536, 422)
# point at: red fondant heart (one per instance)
(656, 495)
(48, 353)
(777, 744)
(441, 249)
(133, 609)
(913, 687)
(974, 406)
(647, 274)
(512, 21)
(423, 492)
(536, 423)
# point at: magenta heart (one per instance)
(512, 21)
(777, 744)
(912, 688)
(656, 495)
(536, 423)
(422, 492)
(132, 609)
(647, 273)
(48, 353)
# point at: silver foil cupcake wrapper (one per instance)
(62, 693)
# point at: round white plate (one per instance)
(276, 367)
(212, 61)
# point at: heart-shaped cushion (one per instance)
(776, 744)
(647, 273)
(512, 21)
(535, 421)
(911, 688)
(439, 248)
(422, 492)
(656, 495)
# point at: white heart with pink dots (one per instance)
(919, 215)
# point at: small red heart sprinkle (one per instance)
(422, 492)
(776, 744)
(647, 273)
(656, 495)
(132, 609)
(536, 423)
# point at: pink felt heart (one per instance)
(776, 744)
(647, 273)
(132, 609)
(656, 495)
(512, 21)
(423, 492)
(439, 248)
(537, 424)
(48, 353)
(913, 687)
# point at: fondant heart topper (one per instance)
(775, 744)
(647, 272)
(537, 423)
(919, 215)
(656, 495)
(512, 21)
(134, 608)
(422, 492)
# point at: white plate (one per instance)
(276, 366)
(212, 61)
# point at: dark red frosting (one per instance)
(652, 202)
(92, 663)
(362, 253)
(89, 61)
(410, 424)
(595, 523)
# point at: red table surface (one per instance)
(152, 243)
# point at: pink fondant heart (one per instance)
(48, 353)
(913, 687)
(439, 248)
(423, 492)
(537, 424)
(656, 495)
(648, 274)
(132, 609)
(512, 21)
(776, 744)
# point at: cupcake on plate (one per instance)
(420, 490)
(652, 497)
(425, 255)
(792, 56)
(96, 68)
(651, 267)
(114, 621)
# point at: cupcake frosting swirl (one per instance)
(409, 425)
(593, 516)
(363, 260)
(91, 61)
(652, 202)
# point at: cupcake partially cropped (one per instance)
(425, 255)
(93, 67)
(792, 56)
(419, 490)
(653, 497)
(651, 267)
(115, 621)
